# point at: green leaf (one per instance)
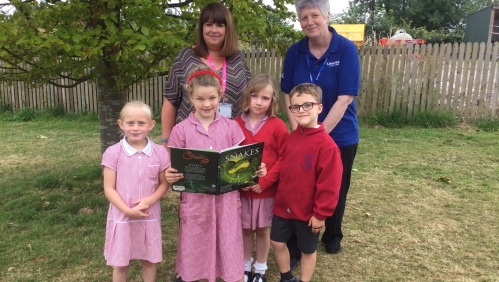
(128, 32)
(144, 30)
(76, 38)
(66, 47)
(140, 47)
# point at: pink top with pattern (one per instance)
(210, 238)
(258, 125)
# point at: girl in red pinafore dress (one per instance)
(260, 123)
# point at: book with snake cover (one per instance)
(212, 172)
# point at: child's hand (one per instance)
(316, 224)
(246, 189)
(256, 188)
(262, 170)
(144, 202)
(172, 176)
(138, 212)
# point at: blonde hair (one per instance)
(307, 88)
(257, 84)
(203, 76)
(134, 105)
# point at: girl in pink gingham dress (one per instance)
(134, 182)
(210, 239)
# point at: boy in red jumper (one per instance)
(309, 183)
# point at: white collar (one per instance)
(130, 151)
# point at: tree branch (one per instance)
(21, 70)
(178, 5)
(16, 66)
(80, 79)
(51, 82)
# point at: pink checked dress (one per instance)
(210, 238)
(136, 177)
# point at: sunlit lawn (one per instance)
(404, 221)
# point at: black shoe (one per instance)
(178, 279)
(258, 277)
(294, 279)
(333, 248)
(293, 263)
(249, 275)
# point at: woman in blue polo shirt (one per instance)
(331, 61)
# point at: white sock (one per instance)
(260, 267)
(247, 265)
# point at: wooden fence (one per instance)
(460, 78)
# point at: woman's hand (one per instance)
(172, 175)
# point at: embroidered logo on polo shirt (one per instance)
(333, 64)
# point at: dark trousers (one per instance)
(333, 233)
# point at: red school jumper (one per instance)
(274, 134)
(310, 176)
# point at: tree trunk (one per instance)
(110, 102)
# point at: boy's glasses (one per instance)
(306, 106)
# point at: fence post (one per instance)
(493, 75)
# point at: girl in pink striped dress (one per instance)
(134, 182)
(210, 239)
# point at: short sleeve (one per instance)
(163, 157)
(177, 137)
(246, 68)
(288, 70)
(349, 72)
(172, 90)
(237, 134)
(111, 156)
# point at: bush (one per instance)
(5, 107)
(391, 120)
(488, 125)
(434, 120)
(157, 114)
(55, 111)
(398, 119)
(26, 114)
(436, 36)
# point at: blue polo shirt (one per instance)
(340, 76)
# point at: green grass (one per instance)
(402, 221)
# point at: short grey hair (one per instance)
(323, 5)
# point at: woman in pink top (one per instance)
(134, 182)
(210, 239)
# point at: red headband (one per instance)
(201, 72)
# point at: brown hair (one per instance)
(307, 88)
(216, 13)
(257, 84)
(203, 76)
(134, 105)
